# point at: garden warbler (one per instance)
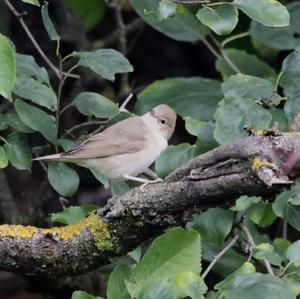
(125, 149)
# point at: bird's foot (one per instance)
(143, 187)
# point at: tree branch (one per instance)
(252, 166)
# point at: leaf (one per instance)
(18, 151)
(283, 38)
(267, 12)
(161, 288)
(136, 254)
(234, 114)
(48, 23)
(88, 12)
(172, 158)
(289, 82)
(33, 90)
(174, 252)
(262, 214)
(12, 120)
(191, 284)
(293, 253)
(66, 144)
(183, 26)
(195, 97)
(247, 63)
(257, 285)
(63, 179)
(3, 157)
(246, 268)
(281, 246)
(166, 9)
(193, 126)
(116, 284)
(83, 295)
(119, 187)
(280, 205)
(245, 202)
(27, 67)
(265, 251)
(7, 67)
(221, 20)
(33, 2)
(104, 62)
(206, 141)
(214, 225)
(37, 120)
(93, 104)
(73, 214)
(100, 177)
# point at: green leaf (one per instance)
(221, 20)
(66, 144)
(7, 67)
(88, 12)
(37, 120)
(214, 225)
(100, 177)
(289, 82)
(247, 63)
(118, 187)
(48, 23)
(63, 179)
(94, 104)
(33, 90)
(166, 9)
(18, 151)
(27, 67)
(280, 205)
(193, 126)
(33, 2)
(116, 284)
(191, 284)
(195, 97)
(206, 141)
(173, 157)
(105, 62)
(267, 12)
(265, 251)
(293, 253)
(246, 268)
(136, 254)
(281, 246)
(285, 38)
(174, 252)
(245, 202)
(183, 26)
(161, 288)
(3, 157)
(262, 214)
(83, 295)
(73, 214)
(234, 114)
(257, 285)
(12, 120)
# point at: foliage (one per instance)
(252, 91)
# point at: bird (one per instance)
(125, 149)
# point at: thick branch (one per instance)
(252, 166)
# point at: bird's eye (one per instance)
(162, 121)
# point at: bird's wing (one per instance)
(126, 136)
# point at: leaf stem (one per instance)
(234, 37)
(219, 255)
(277, 81)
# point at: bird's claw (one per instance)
(143, 187)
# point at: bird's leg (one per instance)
(122, 108)
(144, 181)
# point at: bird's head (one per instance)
(162, 118)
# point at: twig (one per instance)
(122, 108)
(219, 255)
(82, 125)
(33, 40)
(253, 245)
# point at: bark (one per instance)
(257, 165)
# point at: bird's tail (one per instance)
(55, 157)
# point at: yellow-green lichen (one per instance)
(257, 164)
(98, 229)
